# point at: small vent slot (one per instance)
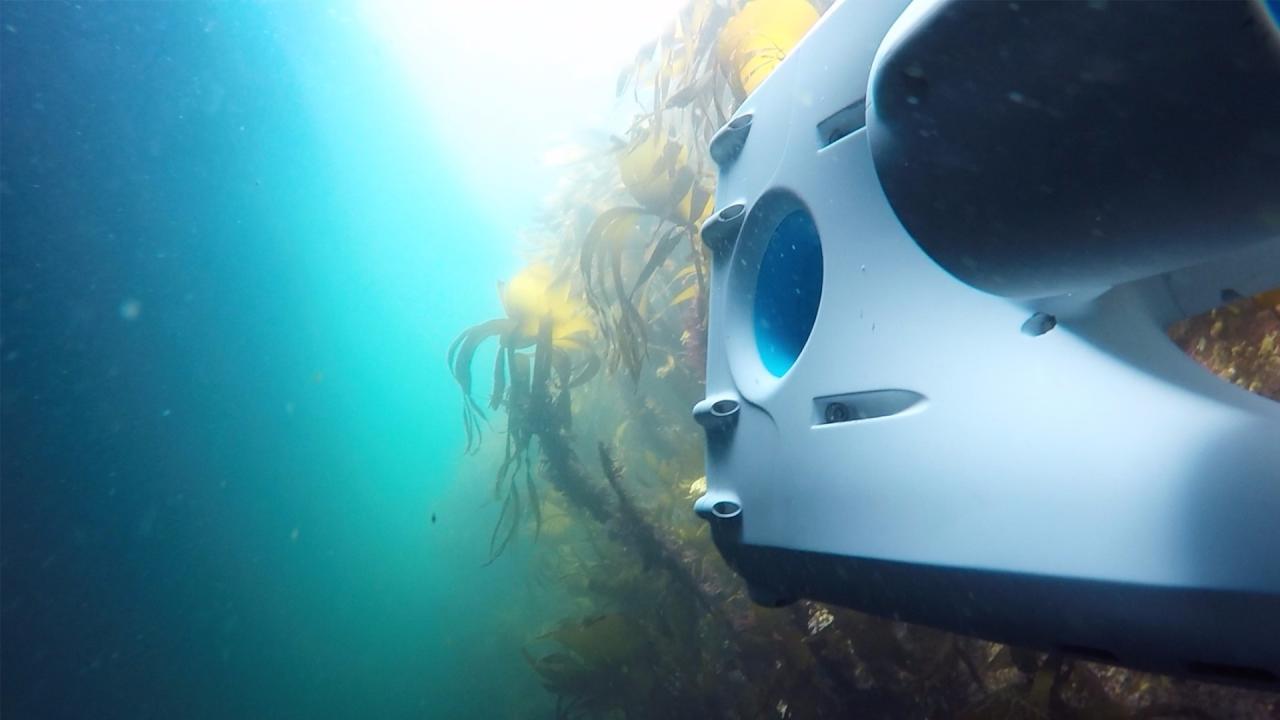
(1233, 673)
(852, 407)
(1090, 653)
(843, 122)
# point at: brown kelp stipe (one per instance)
(653, 548)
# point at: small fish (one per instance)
(433, 518)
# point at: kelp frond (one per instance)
(673, 201)
(543, 352)
(460, 356)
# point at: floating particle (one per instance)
(130, 309)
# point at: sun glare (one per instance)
(505, 82)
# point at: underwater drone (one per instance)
(949, 239)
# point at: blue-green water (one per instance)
(233, 258)
(235, 243)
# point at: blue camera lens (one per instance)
(788, 290)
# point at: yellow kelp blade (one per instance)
(696, 206)
(656, 171)
(534, 296)
(524, 298)
(759, 37)
(685, 295)
(572, 330)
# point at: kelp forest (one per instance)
(576, 401)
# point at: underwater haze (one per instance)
(233, 257)
(346, 359)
